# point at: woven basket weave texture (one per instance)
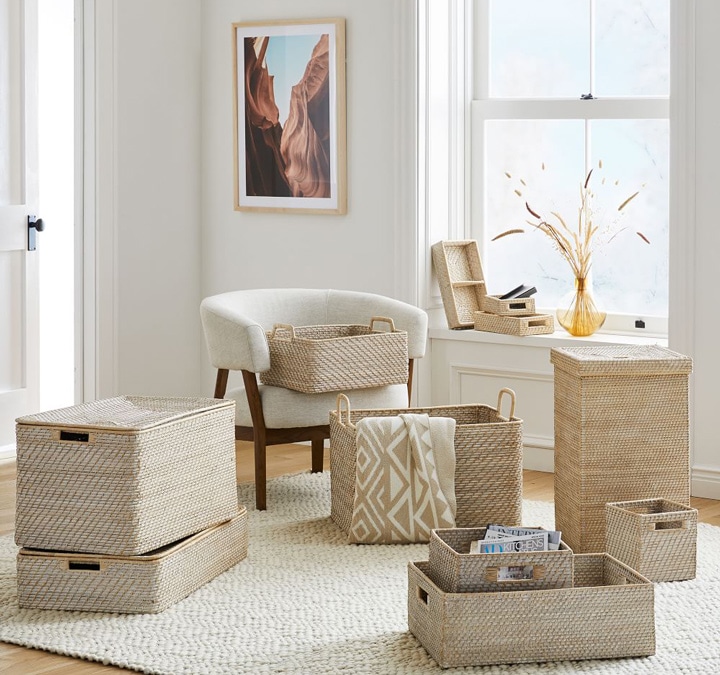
(514, 307)
(537, 324)
(131, 584)
(656, 537)
(608, 613)
(317, 359)
(124, 475)
(621, 433)
(455, 570)
(488, 463)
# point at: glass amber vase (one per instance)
(577, 313)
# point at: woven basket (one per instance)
(609, 613)
(621, 434)
(488, 461)
(513, 307)
(125, 475)
(130, 584)
(537, 324)
(317, 359)
(460, 278)
(455, 570)
(656, 537)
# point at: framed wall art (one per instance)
(289, 116)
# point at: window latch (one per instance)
(587, 97)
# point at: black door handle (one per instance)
(35, 225)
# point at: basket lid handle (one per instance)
(384, 319)
(340, 399)
(511, 394)
(282, 327)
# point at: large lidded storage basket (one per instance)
(147, 583)
(124, 475)
(455, 570)
(621, 433)
(608, 613)
(317, 359)
(488, 461)
(656, 537)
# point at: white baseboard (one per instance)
(7, 451)
(538, 454)
(705, 482)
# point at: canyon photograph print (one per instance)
(290, 116)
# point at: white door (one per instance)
(19, 323)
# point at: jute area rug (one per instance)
(305, 601)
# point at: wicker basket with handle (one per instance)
(317, 359)
(488, 460)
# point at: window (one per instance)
(562, 87)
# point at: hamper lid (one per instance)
(125, 413)
(620, 359)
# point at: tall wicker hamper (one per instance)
(124, 475)
(488, 461)
(621, 433)
(607, 614)
(146, 583)
(656, 537)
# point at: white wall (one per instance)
(148, 215)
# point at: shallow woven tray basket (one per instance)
(317, 359)
(607, 614)
(124, 475)
(455, 570)
(488, 461)
(130, 584)
(621, 433)
(656, 537)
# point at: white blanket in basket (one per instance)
(405, 478)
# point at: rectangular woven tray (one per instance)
(514, 307)
(130, 584)
(317, 359)
(455, 570)
(537, 324)
(124, 475)
(488, 461)
(607, 614)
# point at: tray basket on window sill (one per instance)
(317, 359)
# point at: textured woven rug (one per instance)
(304, 601)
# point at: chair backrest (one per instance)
(235, 322)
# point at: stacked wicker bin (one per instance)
(571, 608)
(466, 300)
(126, 504)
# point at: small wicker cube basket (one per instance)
(488, 461)
(130, 584)
(656, 537)
(607, 614)
(455, 570)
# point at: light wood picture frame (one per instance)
(289, 116)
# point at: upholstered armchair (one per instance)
(235, 326)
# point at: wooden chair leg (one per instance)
(318, 452)
(260, 474)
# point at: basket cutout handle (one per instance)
(383, 319)
(342, 398)
(283, 327)
(667, 525)
(86, 566)
(511, 394)
(73, 436)
(515, 573)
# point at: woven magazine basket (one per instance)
(317, 359)
(488, 461)
(621, 433)
(455, 570)
(494, 304)
(607, 614)
(124, 475)
(656, 537)
(130, 584)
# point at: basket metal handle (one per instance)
(511, 394)
(283, 326)
(340, 399)
(384, 319)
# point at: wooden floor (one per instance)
(282, 459)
